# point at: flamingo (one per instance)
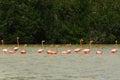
(50, 50)
(55, 51)
(41, 50)
(24, 50)
(16, 48)
(12, 51)
(64, 52)
(67, 51)
(87, 51)
(4, 49)
(99, 51)
(115, 49)
(79, 49)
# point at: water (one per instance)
(74, 66)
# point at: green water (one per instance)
(74, 66)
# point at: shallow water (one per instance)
(74, 66)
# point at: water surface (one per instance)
(74, 66)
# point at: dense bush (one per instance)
(60, 21)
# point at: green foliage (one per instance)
(60, 21)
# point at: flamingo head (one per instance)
(17, 38)
(81, 39)
(91, 41)
(25, 45)
(116, 41)
(2, 41)
(43, 41)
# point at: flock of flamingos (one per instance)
(50, 51)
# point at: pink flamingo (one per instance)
(87, 51)
(41, 50)
(64, 52)
(4, 49)
(12, 51)
(50, 50)
(24, 50)
(67, 51)
(16, 48)
(115, 49)
(53, 52)
(99, 51)
(79, 49)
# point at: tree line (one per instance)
(60, 21)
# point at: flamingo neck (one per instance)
(100, 48)
(90, 46)
(42, 45)
(56, 48)
(81, 44)
(2, 44)
(18, 42)
(116, 44)
(25, 47)
(51, 47)
(67, 46)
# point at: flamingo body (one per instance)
(54, 52)
(16, 48)
(11, 52)
(23, 52)
(49, 52)
(77, 50)
(113, 50)
(40, 50)
(98, 52)
(86, 51)
(5, 50)
(64, 52)
(69, 51)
